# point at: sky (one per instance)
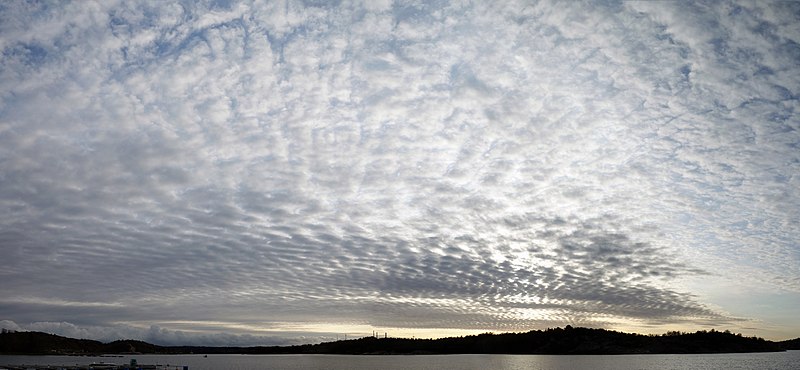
(274, 173)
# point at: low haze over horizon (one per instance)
(273, 173)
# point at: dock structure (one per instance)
(93, 367)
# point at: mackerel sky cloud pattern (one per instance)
(282, 172)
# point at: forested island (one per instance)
(566, 340)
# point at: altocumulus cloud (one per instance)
(273, 173)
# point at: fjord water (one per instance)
(778, 361)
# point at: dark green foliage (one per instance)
(44, 344)
(793, 344)
(554, 341)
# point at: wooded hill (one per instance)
(551, 341)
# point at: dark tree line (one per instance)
(551, 341)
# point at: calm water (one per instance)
(780, 360)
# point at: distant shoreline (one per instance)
(556, 341)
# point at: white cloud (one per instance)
(367, 163)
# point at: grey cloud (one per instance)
(535, 164)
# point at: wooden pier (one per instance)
(102, 366)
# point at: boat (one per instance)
(103, 365)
